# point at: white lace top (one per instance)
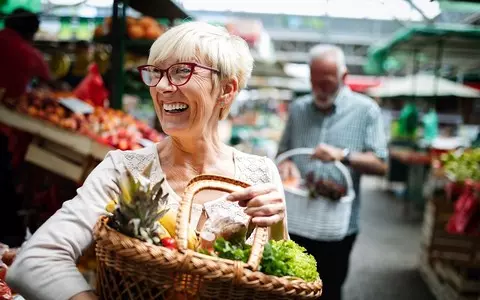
(45, 268)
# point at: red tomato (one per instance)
(5, 292)
(3, 273)
(169, 243)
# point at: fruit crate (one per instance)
(463, 250)
(462, 279)
(442, 289)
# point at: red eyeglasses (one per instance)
(177, 74)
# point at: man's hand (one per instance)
(289, 171)
(327, 153)
(363, 162)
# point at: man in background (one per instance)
(341, 126)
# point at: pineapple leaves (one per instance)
(148, 170)
(140, 206)
(157, 193)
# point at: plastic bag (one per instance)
(466, 217)
(92, 89)
(430, 123)
(408, 120)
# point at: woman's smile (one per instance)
(175, 108)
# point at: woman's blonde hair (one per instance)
(209, 44)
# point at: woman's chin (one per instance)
(176, 131)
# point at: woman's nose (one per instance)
(164, 85)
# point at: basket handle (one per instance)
(310, 151)
(223, 184)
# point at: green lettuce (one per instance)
(287, 258)
(280, 258)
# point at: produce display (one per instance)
(459, 167)
(466, 215)
(143, 28)
(141, 212)
(105, 125)
(463, 189)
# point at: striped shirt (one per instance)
(355, 123)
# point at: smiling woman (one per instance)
(194, 72)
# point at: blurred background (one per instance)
(419, 59)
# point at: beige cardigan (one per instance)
(46, 268)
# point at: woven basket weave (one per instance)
(131, 269)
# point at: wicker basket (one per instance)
(331, 218)
(131, 269)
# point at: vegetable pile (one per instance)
(462, 166)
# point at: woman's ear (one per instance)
(228, 92)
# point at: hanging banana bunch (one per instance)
(59, 64)
(82, 59)
(102, 58)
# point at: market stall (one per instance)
(418, 47)
(450, 250)
(414, 49)
(88, 109)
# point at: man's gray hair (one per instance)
(326, 50)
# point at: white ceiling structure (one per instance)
(366, 9)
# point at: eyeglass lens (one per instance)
(178, 74)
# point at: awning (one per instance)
(460, 47)
(422, 85)
(362, 83)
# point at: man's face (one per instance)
(325, 82)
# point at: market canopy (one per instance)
(460, 45)
(421, 85)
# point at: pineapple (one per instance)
(139, 207)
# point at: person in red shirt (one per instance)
(21, 63)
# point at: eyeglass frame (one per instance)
(165, 71)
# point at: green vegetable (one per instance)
(228, 250)
(287, 258)
(280, 258)
(462, 166)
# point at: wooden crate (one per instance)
(76, 142)
(461, 279)
(462, 250)
(62, 152)
(440, 288)
(60, 160)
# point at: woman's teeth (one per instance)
(175, 107)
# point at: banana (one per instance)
(111, 206)
(59, 65)
(163, 233)
(168, 221)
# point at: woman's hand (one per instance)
(263, 202)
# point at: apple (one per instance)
(55, 119)
(123, 144)
(41, 114)
(60, 111)
(33, 111)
